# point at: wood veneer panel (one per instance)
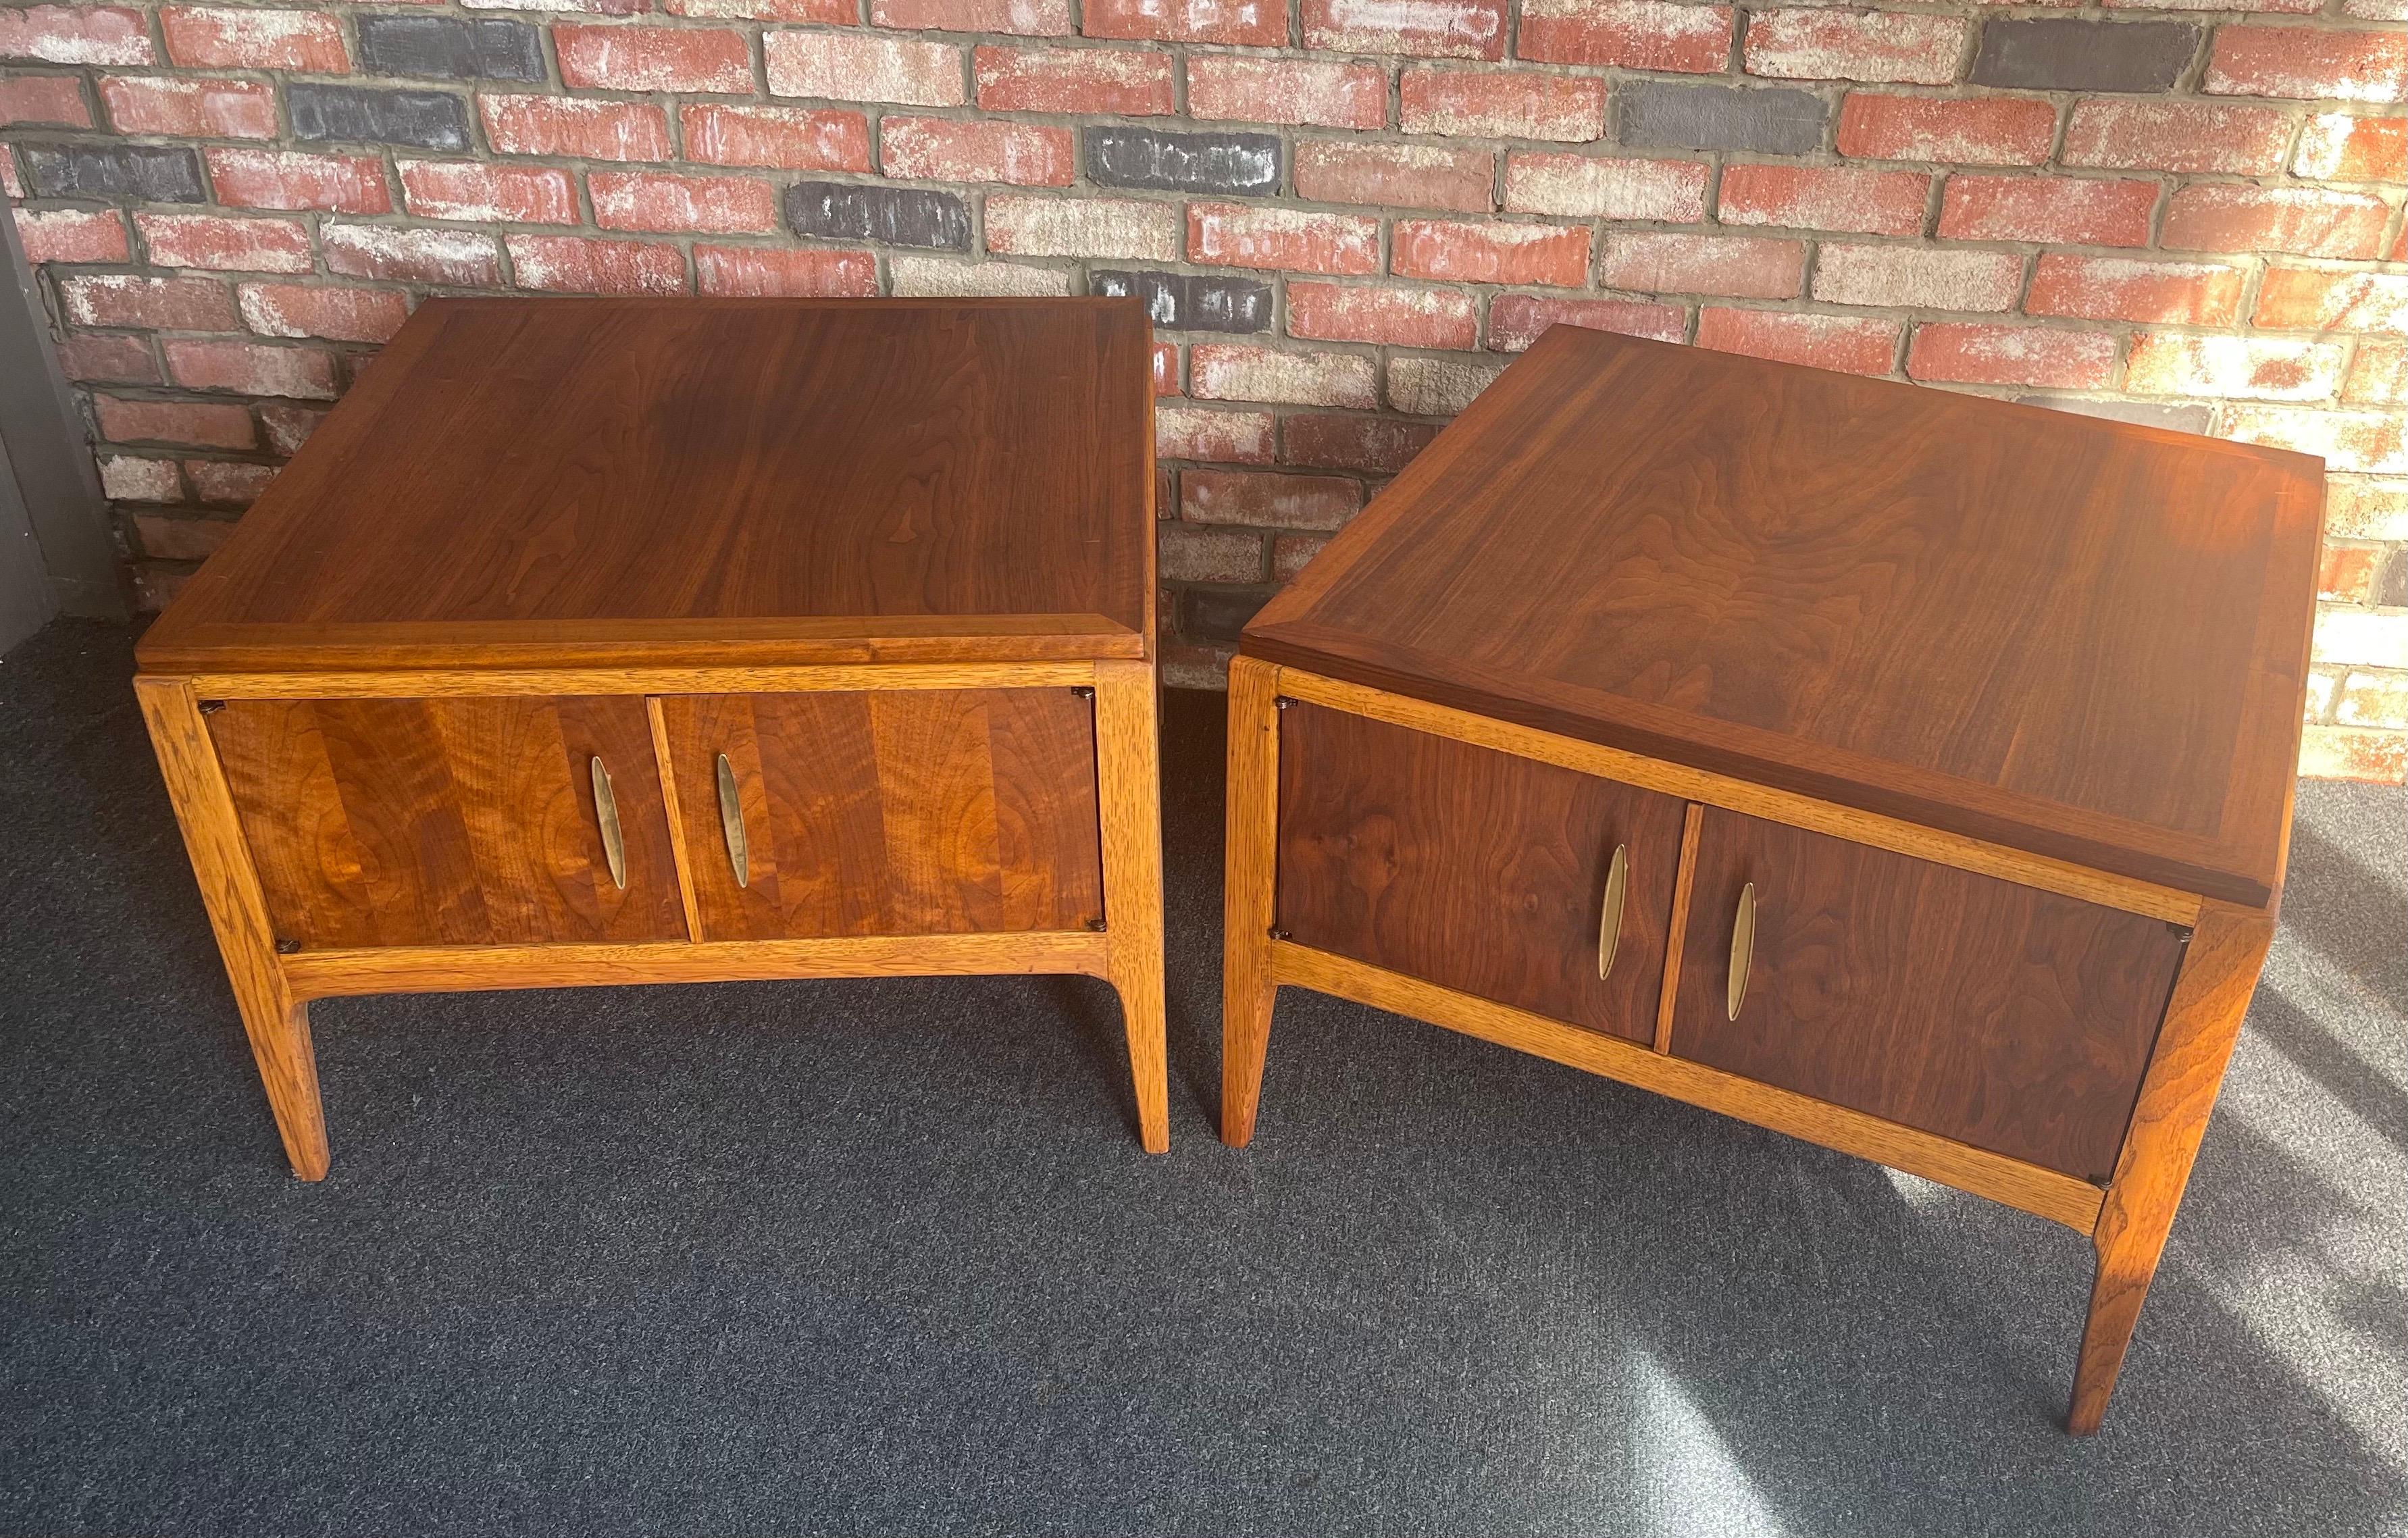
(1474, 870)
(447, 822)
(919, 811)
(1994, 1015)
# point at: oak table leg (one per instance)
(1247, 901)
(2219, 973)
(277, 1023)
(1129, 773)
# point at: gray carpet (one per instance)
(883, 1256)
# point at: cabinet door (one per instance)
(449, 822)
(907, 812)
(1473, 868)
(1996, 1015)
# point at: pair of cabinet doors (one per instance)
(539, 820)
(1999, 1015)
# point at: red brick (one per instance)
(759, 272)
(2318, 62)
(99, 357)
(190, 108)
(1501, 104)
(453, 258)
(2060, 210)
(2378, 376)
(1848, 343)
(289, 424)
(2116, 288)
(249, 368)
(837, 13)
(1412, 175)
(1960, 353)
(2367, 510)
(1840, 45)
(1736, 267)
(1025, 154)
(1825, 197)
(1246, 23)
(72, 235)
(1119, 82)
(861, 68)
(1627, 34)
(255, 37)
(1166, 369)
(2144, 136)
(588, 130)
(1603, 187)
(2349, 442)
(664, 200)
(800, 138)
(183, 539)
(2302, 221)
(1313, 92)
(1227, 438)
(1228, 371)
(2302, 298)
(472, 190)
(337, 313)
(11, 184)
(2345, 574)
(2338, 147)
(2236, 368)
(581, 264)
(1082, 226)
(1374, 445)
(225, 483)
(1975, 131)
(223, 244)
(1026, 17)
(275, 179)
(1518, 320)
(1404, 317)
(1550, 255)
(1428, 29)
(166, 304)
(75, 35)
(1267, 499)
(1238, 234)
(1437, 387)
(2342, 753)
(200, 425)
(642, 58)
(1918, 277)
(126, 479)
(1191, 555)
(44, 98)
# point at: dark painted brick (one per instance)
(2064, 53)
(449, 48)
(1718, 117)
(1186, 301)
(900, 216)
(431, 120)
(1218, 613)
(153, 173)
(1183, 163)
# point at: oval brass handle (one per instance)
(606, 812)
(1743, 948)
(731, 823)
(1609, 923)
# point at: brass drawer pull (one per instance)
(1742, 947)
(1609, 925)
(606, 812)
(731, 823)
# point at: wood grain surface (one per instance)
(2006, 1018)
(1128, 780)
(1472, 868)
(449, 822)
(730, 480)
(917, 811)
(2080, 638)
(1249, 878)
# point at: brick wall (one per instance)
(1346, 215)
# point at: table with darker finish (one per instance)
(604, 640)
(1900, 769)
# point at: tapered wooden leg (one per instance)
(2219, 971)
(1246, 907)
(1129, 778)
(277, 1023)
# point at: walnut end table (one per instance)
(602, 640)
(1901, 771)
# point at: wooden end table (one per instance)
(1901, 771)
(605, 640)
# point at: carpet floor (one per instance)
(884, 1257)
